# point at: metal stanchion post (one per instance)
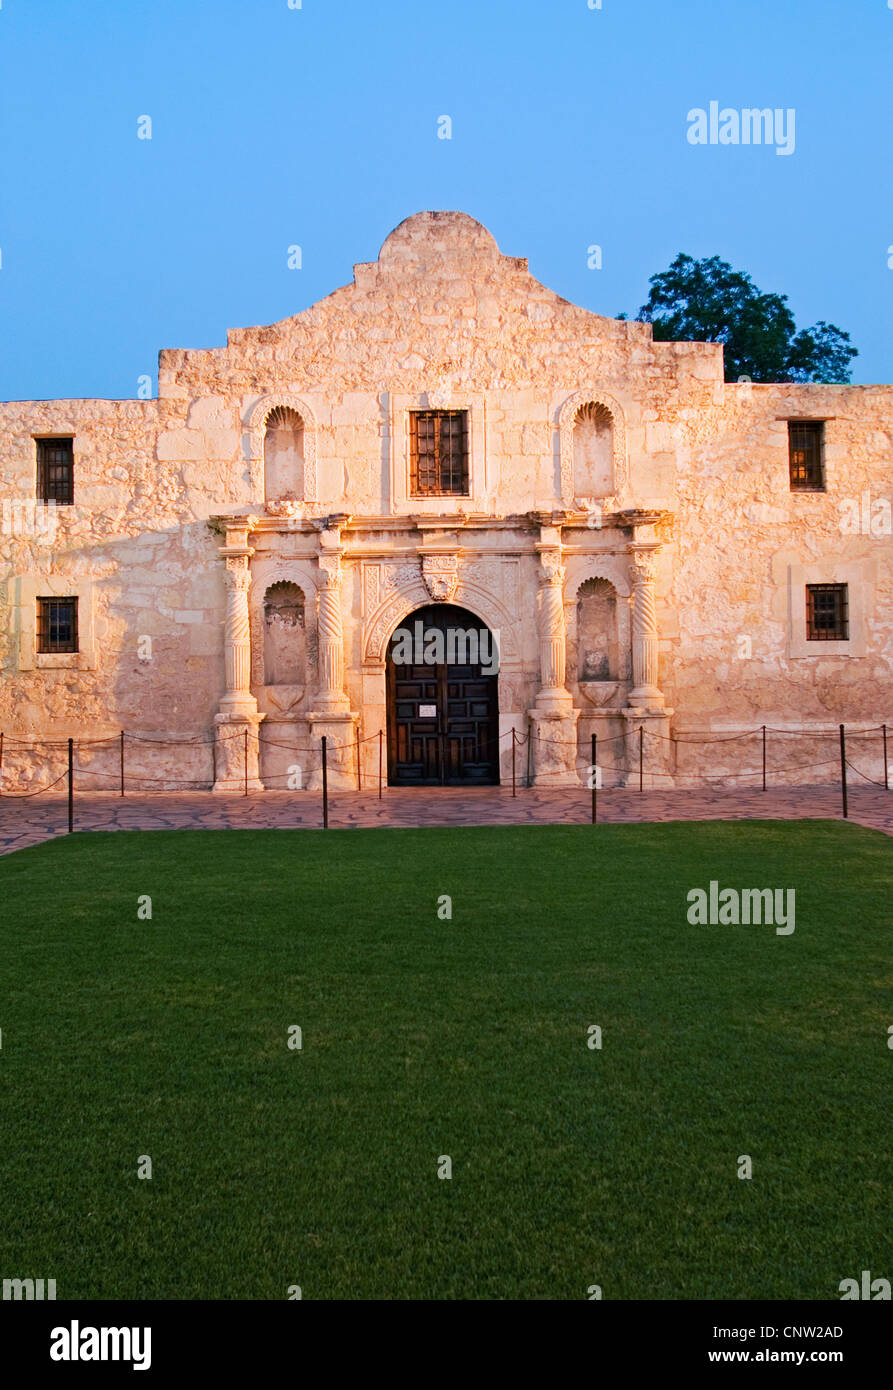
(359, 773)
(514, 793)
(325, 787)
(70, 785)
(764, 757)
(641, 741)
(594, 776)
(380, 750)
(843, 772)
(883, 726)
(245, 752)
(122, 762)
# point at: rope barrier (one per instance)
(863, 775)
(197, 742)
(200, 740)
(825, 733)
(686, 742)
(23, 796)
(292, 747)
(138, 780)
(59, 743)
(308, 748)
(184, 782)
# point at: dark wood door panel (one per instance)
(443, 720)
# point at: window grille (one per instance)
(827, 618)
(806, 455)
(55, 471)
(57, 625)
(438, 450)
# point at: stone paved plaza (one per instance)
(28, 821)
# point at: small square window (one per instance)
(57, 625)
(438, 453)
(55, 471)
(806, 455)
(827, 615)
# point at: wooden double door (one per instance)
(443, 715)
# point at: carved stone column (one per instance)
(645, 689)
(553, 694)
(330, 630)
(646, 703)
(237, 638)
(553, 727)
(237, 723)
(331, 717)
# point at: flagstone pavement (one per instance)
(28, 821)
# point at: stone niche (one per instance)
(593, 451)
(598, 655)
(284, 645)
(283, 455)
(600, 660)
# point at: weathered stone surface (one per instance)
(444, 320)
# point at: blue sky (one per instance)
(317, 127)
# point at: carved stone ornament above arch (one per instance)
(414, 594)
(613, 568)
(257, 428)
(567, 416)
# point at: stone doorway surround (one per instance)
(359, 590)
(443, 705)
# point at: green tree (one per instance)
(708, 301)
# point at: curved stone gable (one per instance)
(438, 393)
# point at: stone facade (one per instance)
(243, 547)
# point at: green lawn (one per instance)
(425, 1037)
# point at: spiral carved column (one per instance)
(237, 632)
(237, 750)
(647, 718)
(645, 689)
(552, 637)
(330, 630)
(331, 717)
(553, 721)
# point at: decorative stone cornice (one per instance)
(236, 531)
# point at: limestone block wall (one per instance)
(136, 549)
(444, 320)
(744, 545)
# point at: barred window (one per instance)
(827, 615)
(438, 451)
(55, 471)
(57, 625)
(806, 455)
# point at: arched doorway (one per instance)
(443, 712)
